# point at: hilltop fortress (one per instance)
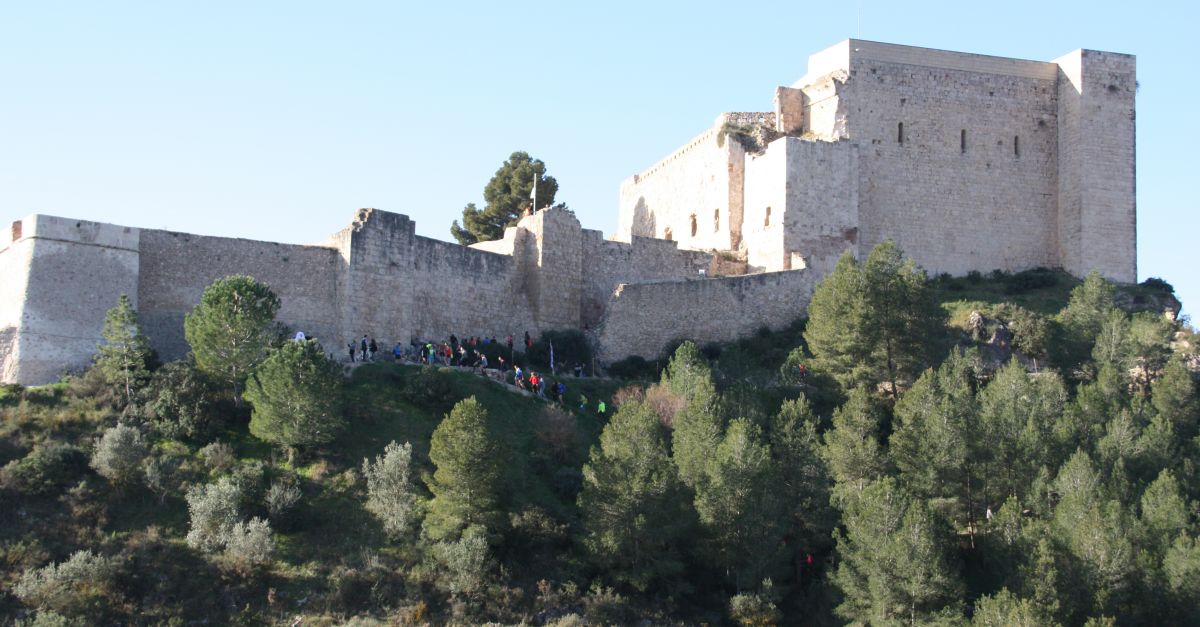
(967, 162)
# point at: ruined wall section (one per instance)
(1097, 207)
(60, 277)
(402, 286)
(802, 205)
(607, 263)
(969, 182)
(642, 319)
(697, 186)
(177, 267)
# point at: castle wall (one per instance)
(176, 267)
(1097, 221)
(608, 263)
(60, 277)
(642, 319)
(699, 183)
(970, 182)
(811, 188)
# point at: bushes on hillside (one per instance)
(119, 454)
(49, 467)
(76, 587)
(391, 490)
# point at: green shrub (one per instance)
(48, 468)
(633, 367)
(431, 387)
(249, 546)
(1029, 280)
(183, 403)
(391, 490)
(214, 512)
(570, 347)
(74, 587)
(119, 454)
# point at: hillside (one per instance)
(725, 415)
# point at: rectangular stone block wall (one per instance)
(700, 180)
(765, 207)
(60, 277)
(177, 267)
(821, 217)
(642, 319)
(970, 180)
(607, 263)
(1097, 179)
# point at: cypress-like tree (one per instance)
(1174, 398)
(634, 507)
(296, 397)
(122, 357)
(896, 560)
(232, 328)
(1082, 318)
(935, 443)
(741, 508)
(467, 484)
(1017, 417)
(876, 323)
(852, 449)
(698, 425)
(804, 480)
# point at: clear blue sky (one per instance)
(276, 120)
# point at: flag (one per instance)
(552, 357)
(533, 192)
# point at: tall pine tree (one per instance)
(634, 508)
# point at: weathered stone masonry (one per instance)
(968, 162)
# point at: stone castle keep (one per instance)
(967, 162)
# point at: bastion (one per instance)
(968, 162)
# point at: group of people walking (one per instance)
(363, 350)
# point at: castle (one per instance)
(967, 162)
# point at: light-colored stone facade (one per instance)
(967, 162)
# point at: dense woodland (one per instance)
(995, 450)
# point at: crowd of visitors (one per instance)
(473, 352)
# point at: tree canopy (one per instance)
(122, 358)
(507, 194)
(874, 324)
(296, 394)
(232, 328)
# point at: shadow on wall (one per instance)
(643, 219)
(7, 364)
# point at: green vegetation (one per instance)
(232, 328)
(1030, 461)
(507, 194)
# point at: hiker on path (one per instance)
(351, 347)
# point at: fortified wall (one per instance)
(968, 162)
(376, 276)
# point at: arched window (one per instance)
(693, 225)
(716, 220)
(767, 220)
